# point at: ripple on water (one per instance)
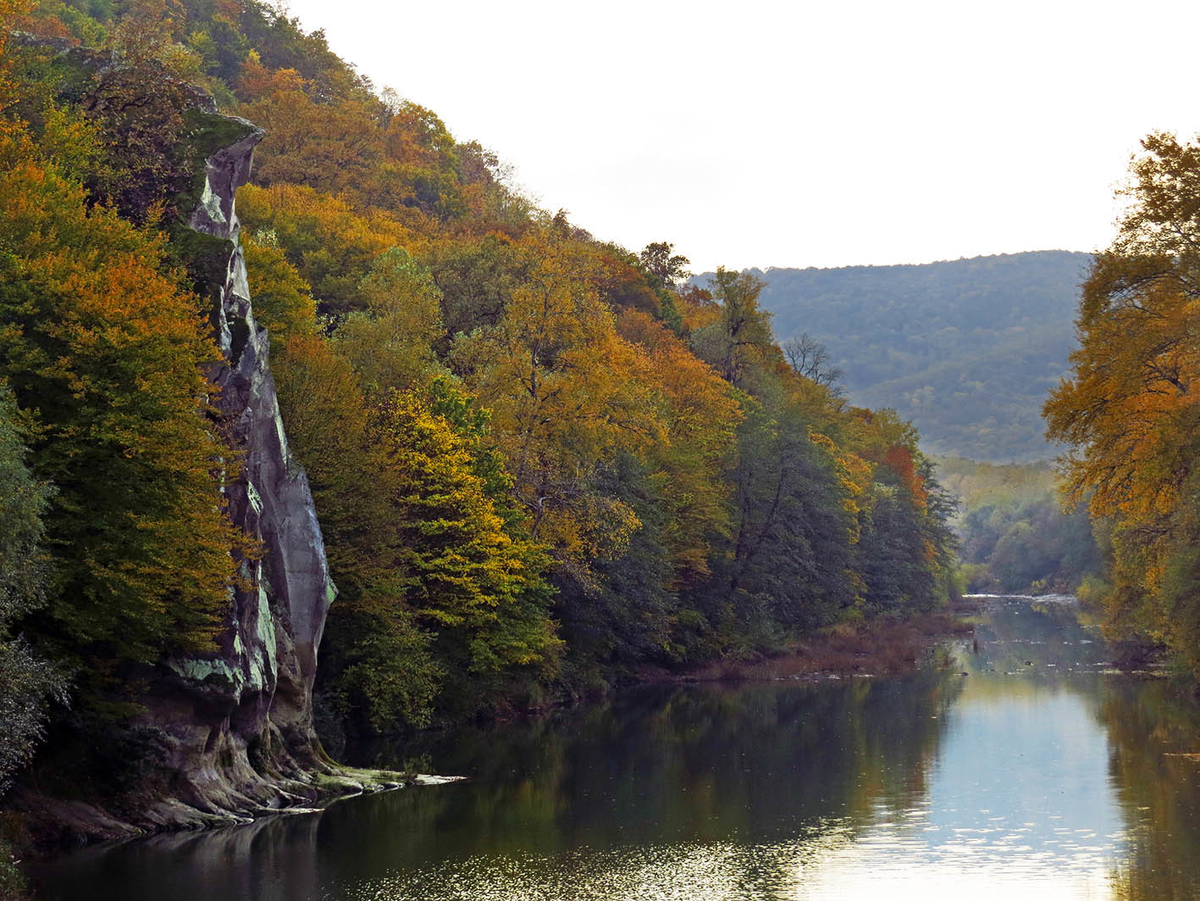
(716, 871)
(829, 866)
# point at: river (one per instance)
(1027, 768)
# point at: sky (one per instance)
(833, 133)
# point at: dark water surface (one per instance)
(1040, 774)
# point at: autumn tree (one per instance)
(108, 356)
(558, 377)
(473, 578)
(283, 300)
(738, 343)
(700, 414)
(324, 146)
(1129, 410)
(390, 344)
(378, 670)
(331, 245)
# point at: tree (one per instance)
(739, 342)
(282, 298)
(789, 564)
(700, 415)
(1129, 409)
(561, 382)
(377, 664)
(330, 244)
(810, 358)
(658, 261)
(472, 578)
(390, 344)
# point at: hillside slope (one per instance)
(965, 349)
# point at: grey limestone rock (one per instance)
(235, 727)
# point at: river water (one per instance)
(1025, 769)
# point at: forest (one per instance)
(1014, 535)
(539, 461)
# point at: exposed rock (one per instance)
(238, 724)
(233, 730)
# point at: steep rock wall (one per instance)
(235, 727)
(229, 736)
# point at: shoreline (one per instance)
(872, 648)
(875, 647)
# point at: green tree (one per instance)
(739, 343)
(390, 344)
(27, 681)
(107, 355)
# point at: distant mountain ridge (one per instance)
(966, 349)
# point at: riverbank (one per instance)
(38, 824)
(876, 647)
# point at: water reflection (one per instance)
(1023, 768)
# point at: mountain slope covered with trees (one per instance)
(538, 461)
(966, 349)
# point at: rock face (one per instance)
(235, 728)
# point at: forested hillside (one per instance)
(538, 462)
(967, 349)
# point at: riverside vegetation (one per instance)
(539, 461)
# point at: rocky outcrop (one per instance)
(236, 726)
(231, 732)
(279, 615)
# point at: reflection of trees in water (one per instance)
(1150, 723)
(743, 770)
(1041, 639)
(272, 859)
(759, 763)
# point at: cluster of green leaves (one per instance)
(539, 460)
(965, 349)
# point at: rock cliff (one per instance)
(231, 732)
(236, 725)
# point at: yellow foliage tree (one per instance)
(562, 384)
(1131, 410)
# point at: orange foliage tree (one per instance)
(1130, 411)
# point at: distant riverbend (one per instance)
(1023, 767)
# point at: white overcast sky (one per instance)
(754, 133)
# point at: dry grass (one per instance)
(876, 647)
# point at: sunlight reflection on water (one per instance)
(825, 865)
